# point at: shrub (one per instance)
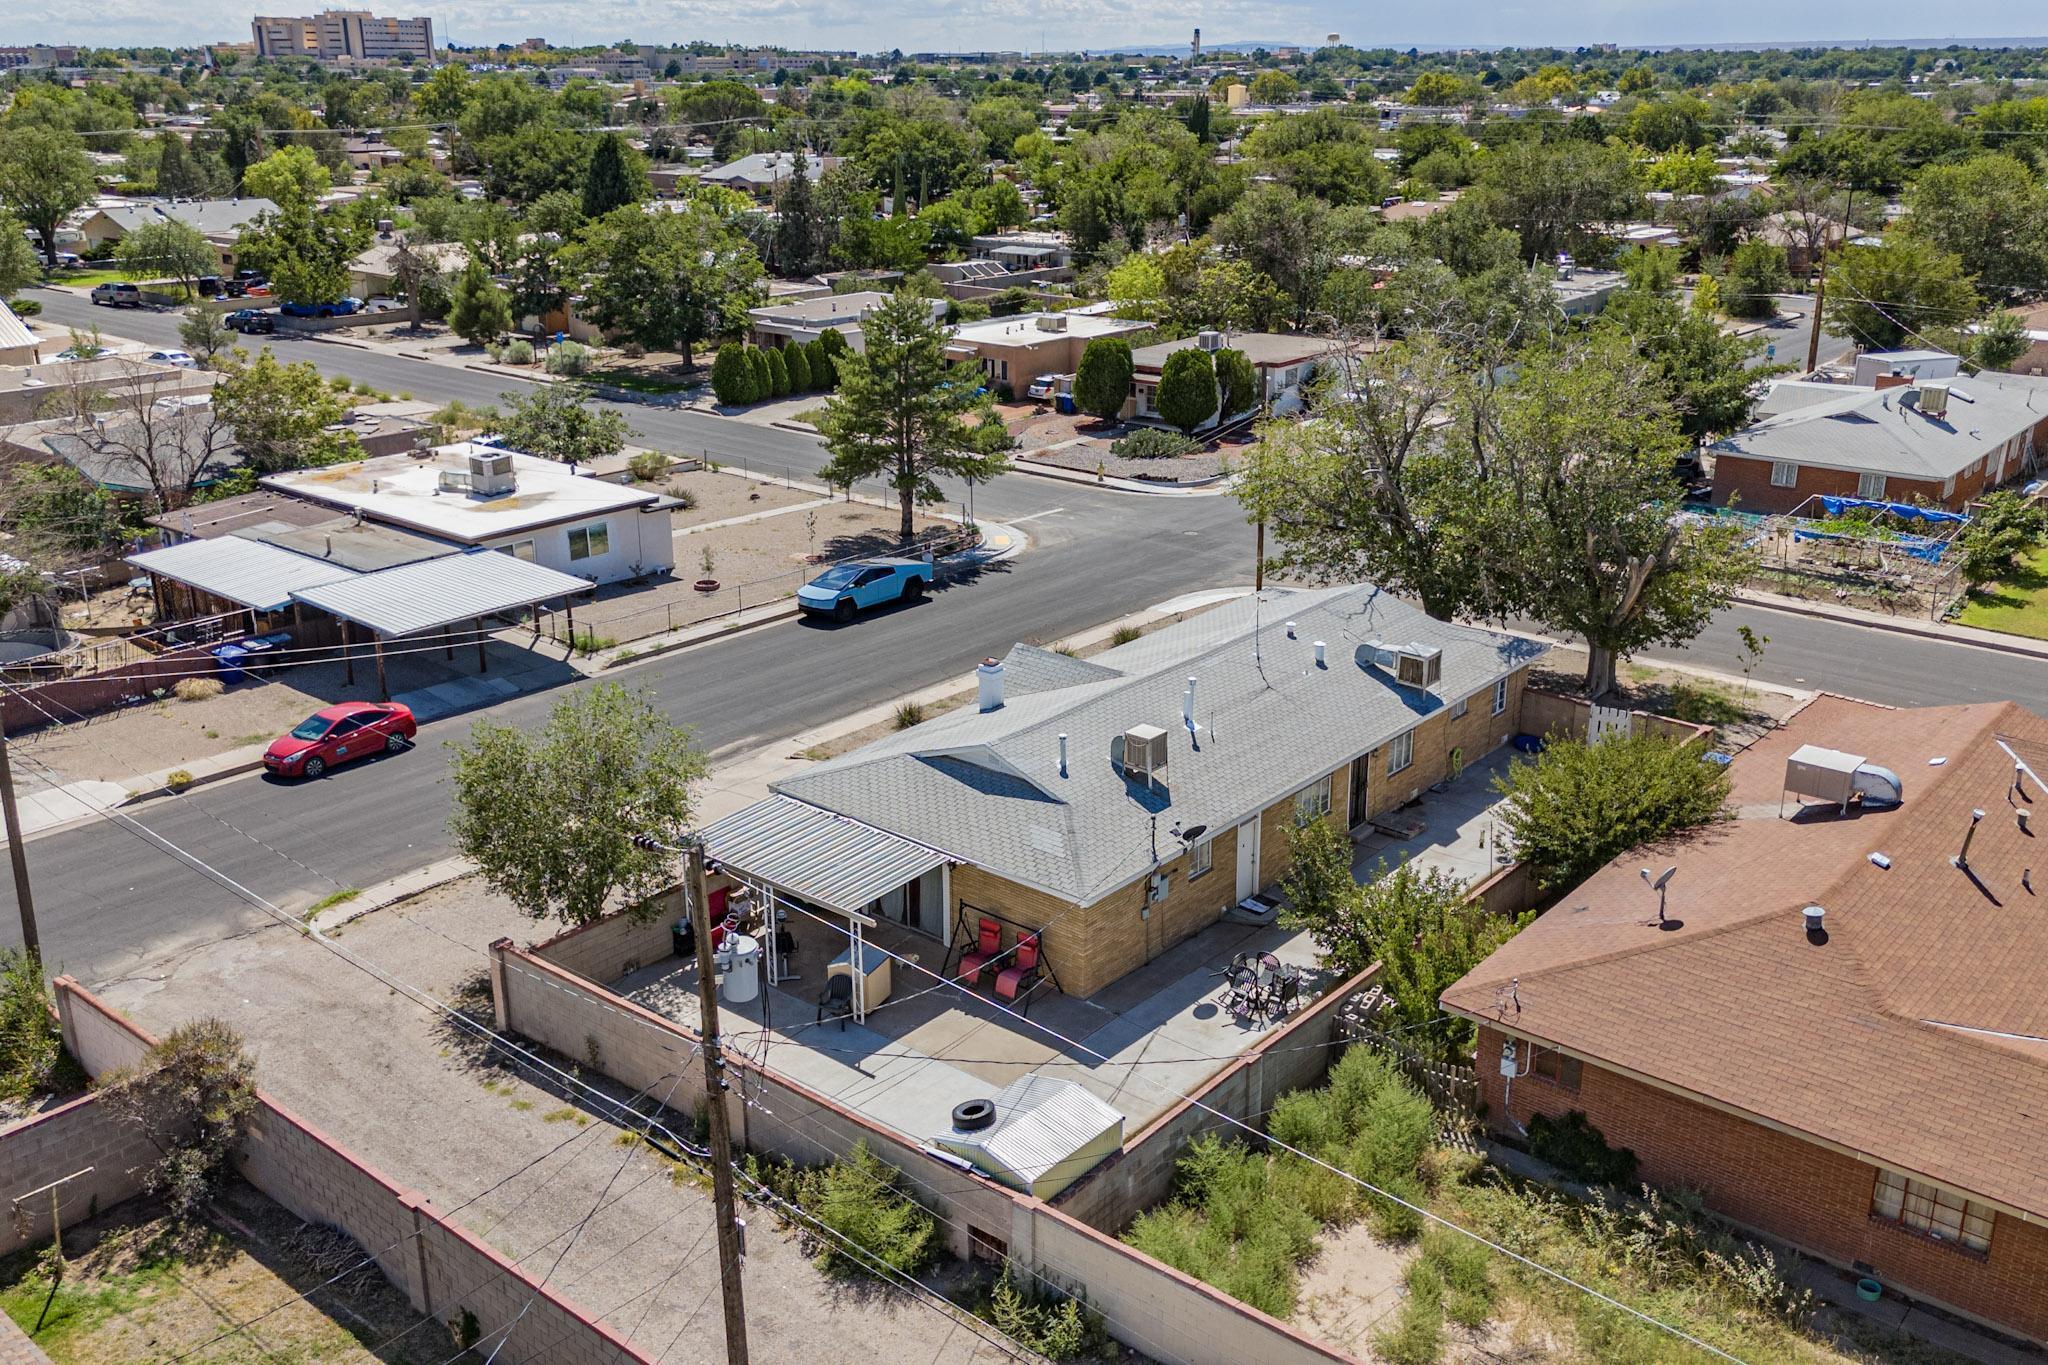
(1416, 1335)
(1579, 805)
(179, 780)
(778, 373)
(824, 372)
(647, 466)
(518, 351)
(732, 378)
(568, 358)
(1124, 635)
(590, 642)
(1237, 379)
(1577, 1148)
(798, 359)
(2005, 527)
(909, 714)
(763, 376)
(1053, 1325)
(198, 689)
(31, 1048)
(1187, 389)
(1228, 1226)
(1102, 383)
(192, 1095)
(1150, 443)
(859, 1199)
(27, 308)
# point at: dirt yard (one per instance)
(131, 1291)
(721, 494)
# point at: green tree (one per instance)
(557, 422)
(205, 336)
(168, 250)
(1756, 273)
(901, 411)
(290, 177)
(797, 358)
(1425, 935)
(614, 178)
(668, 281)
(1555, 195)
(1579, 806)
(1238, 380)
(1102, 383)
(763, 376)
(305, 253)
(193, 1096)
(19, 265)
(1991, 211)
(1706, 372)
(1650, 269)
(1881, 295)
(44, 175)
(57, 512)
(824, 366)
(799, 233)
(1273, 87)
(732, 377)
(1438, 88)
(281, 414)
(1187, 389)
(2000, 341)
(778, 373)
(550, 817)
(477, 309)
(179, 174)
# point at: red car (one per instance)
(338, 734)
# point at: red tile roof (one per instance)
(1916, 1034)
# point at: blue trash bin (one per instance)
(233, 660)
(1064, 405)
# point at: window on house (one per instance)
(1460, 707)
(1500, 696)
(1948, 486)
(1870, 485)
(1201, 858)
(1936, 1212)
(521, 549)
(1400, 752)
(588, 542)
(1313, 800)
(1784, 473)
(1558, 1069)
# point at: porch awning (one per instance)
(440, 592)
(246, 571)
(816, 854)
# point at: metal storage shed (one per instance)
(1046, 1134)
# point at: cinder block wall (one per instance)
(64, 1141)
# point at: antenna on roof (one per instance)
(1662, 880)
(1962, 858)
(2019, 766)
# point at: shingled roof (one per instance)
(1914, 1032)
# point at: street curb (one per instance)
(1929, 631)
(371, 900)
(136, 798)
(800, 428)
(767, 618)
(1208, 488)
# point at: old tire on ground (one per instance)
(971, 1116)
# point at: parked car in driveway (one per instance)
(336, 308)
(117, 295)
(251, 321)
(182, 359)
(844, 590)
(354, 729)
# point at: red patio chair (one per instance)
(987, 948)
(1011, 980)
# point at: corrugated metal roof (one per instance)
(246, 571)
(1042, 1123)
(14, 333)
(815, 854)
(440, 592)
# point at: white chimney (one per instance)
(990, 678)
(1063, 755)
(1322, 656)
(1290, 630)
(1187, 706)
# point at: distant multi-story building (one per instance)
(343, 35)
(37, 56)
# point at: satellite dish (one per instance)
(1193, 832)
(1663, 880)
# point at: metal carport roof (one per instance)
(245, 571)
(813, 853)
(440, 592)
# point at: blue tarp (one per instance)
(1905, 511)
(1920, 547)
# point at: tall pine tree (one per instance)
(612, 180)
(799, 232)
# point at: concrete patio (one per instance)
(1460, 834)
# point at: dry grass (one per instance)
(198, 689)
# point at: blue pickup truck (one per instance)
(846, 589)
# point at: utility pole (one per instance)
(714, 1107)
(1259, 560)
(1820, 296)
(17, 853)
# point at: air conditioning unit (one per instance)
(1052, 322)
(491, 474)
(1145, 753)
(1209, 341)
(1419, 666)
(1933, 398)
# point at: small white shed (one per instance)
(1037, 1134)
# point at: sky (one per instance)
(1028, 25)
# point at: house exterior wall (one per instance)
(1091, 946)
(1796, 1191)
(638, 541)
(1745, 481)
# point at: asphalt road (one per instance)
(110, 901)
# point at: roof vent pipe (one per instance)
(1187, 706)
(1063, 755)
(1813, 916)
(1962, 859)
(989, 678)
(1290, 630)
(1322, 655)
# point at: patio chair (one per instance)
(988, 947)
(1012, 980)
(1286, 994)
(837, 1001)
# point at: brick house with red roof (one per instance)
(1873, 1093)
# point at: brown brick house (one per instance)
(1935, 442)
(1868, 1091)
(1076, 799)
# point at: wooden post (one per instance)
(569, 613)
(1259, 560)
(483, 665)
(383, 688)
(348, 661)
(17, 853)
(715, 1089)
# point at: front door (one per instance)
(1248, 858)
(1361, 772)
